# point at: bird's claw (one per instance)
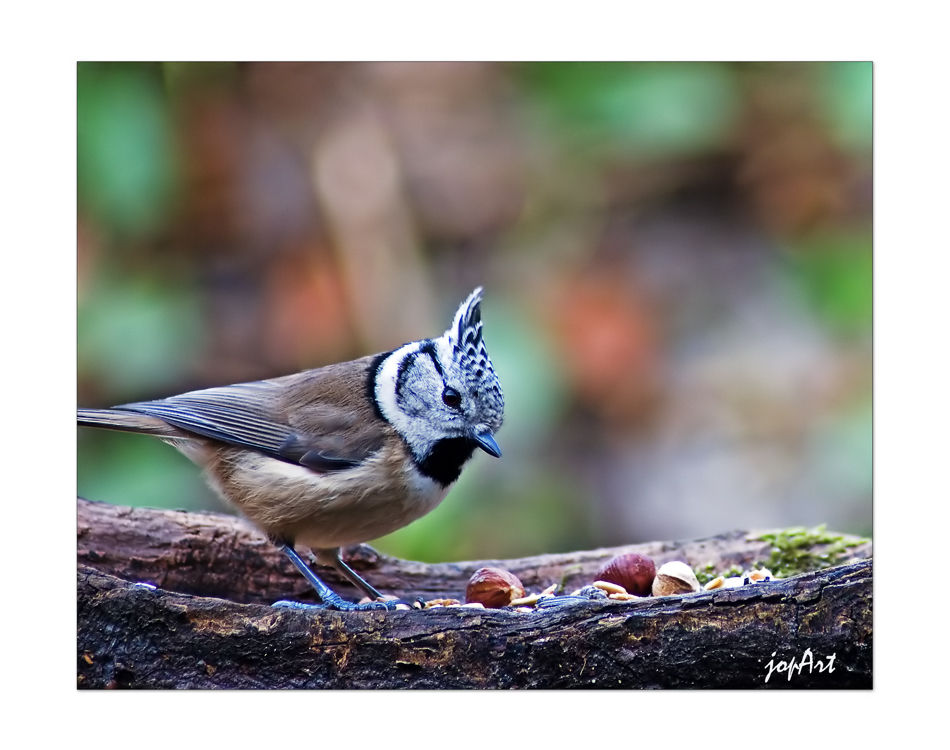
(342, 605)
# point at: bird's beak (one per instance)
(487, 443)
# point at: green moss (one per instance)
(800, 550)
(708, 573)
(794, 550)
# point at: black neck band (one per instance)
(444, 462)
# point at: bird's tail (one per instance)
(126, 421)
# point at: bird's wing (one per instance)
(238, 414)
(126, 421)
(315, 432)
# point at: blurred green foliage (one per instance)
(652, 110)
(139, 467)
(126, 155)
(152, 329)
(847, 105)
(836, 273)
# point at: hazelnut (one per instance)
(633, 572)
(493, 587)
(675, 578)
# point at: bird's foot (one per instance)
(338, 604)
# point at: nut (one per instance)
(532, 599)
(493, 587)
(675, 578)
(442, 603)
(634, 572)
(610, 588)
(524, 601)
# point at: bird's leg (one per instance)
(333, 558)
(352, 576)
(327, 596)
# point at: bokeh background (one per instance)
(676, 259)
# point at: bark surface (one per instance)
(208, 623)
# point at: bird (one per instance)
(341, 454)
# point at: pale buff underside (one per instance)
(321, 511)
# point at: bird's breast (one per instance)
(326, 510)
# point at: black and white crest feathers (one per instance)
(464, 345)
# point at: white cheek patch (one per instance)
(386, 388)
(419, 431)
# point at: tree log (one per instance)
(209, 624)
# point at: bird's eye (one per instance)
(451, 397)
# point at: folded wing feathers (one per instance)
(125, 422)
(232, 414)
(245, 415)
